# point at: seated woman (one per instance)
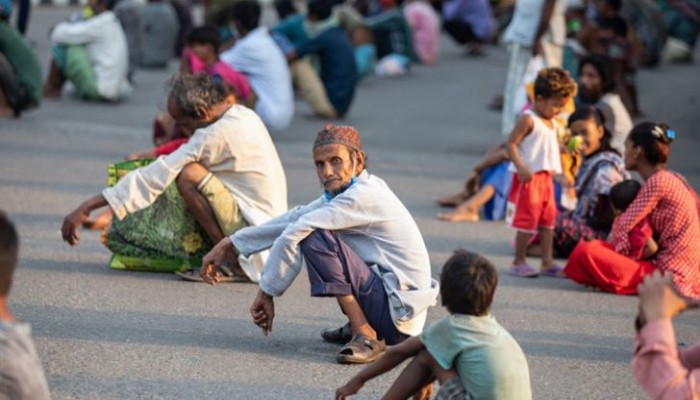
(487, 185)
(602, 168)
(672, 208)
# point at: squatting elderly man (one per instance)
(360, 245)
(229, 173)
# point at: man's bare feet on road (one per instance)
(451, 201)
(458, 216)
(463, 213)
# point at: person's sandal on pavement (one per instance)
(192, 275)
(340, 335)
(361, 350)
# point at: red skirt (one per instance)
(597, 264)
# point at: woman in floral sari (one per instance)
(602, 168)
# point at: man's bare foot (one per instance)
(451, 201)
(463, 213)
(458, 216)
(101, 221)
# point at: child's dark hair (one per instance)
(284, 8)
(551, 82)
(605, 68)
(247, 13)
(654, 139)
(593, 113)
(9, 247)
(467, 283)
(321, 9)
(622, 194)
(205, 35)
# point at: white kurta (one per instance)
(238, 150)
(374, 223)
(106, 46)
(261, 60)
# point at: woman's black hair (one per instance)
(654, 139)
(605, 68)
(594, 113)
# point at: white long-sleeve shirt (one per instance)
(106, 46)
(238, 150)
(261, 60)
(374, 223)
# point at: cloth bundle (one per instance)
(163, 237)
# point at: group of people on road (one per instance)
(358, 241)
(361, 245)
(322, 48)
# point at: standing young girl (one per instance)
(534, 149)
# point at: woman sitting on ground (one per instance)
(487, 185)
(672, 208)
(602, 168)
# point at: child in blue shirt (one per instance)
(468, 352)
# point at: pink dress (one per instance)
(425, 25)
(233, 78)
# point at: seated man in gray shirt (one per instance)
(159, 30)
(360, 244)
(21, 374)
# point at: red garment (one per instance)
(673, 210)
(597, 264)
(661, 369)
(639, 236)
(531, 205)
(170, 146)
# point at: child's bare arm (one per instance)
(522, 128)
(394, 356)
(650, 249)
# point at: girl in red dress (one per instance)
(671, 206)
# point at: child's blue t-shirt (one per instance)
(490, 363)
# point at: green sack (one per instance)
(163, 237)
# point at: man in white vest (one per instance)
(228, 173)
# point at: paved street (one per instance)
(105, 334)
